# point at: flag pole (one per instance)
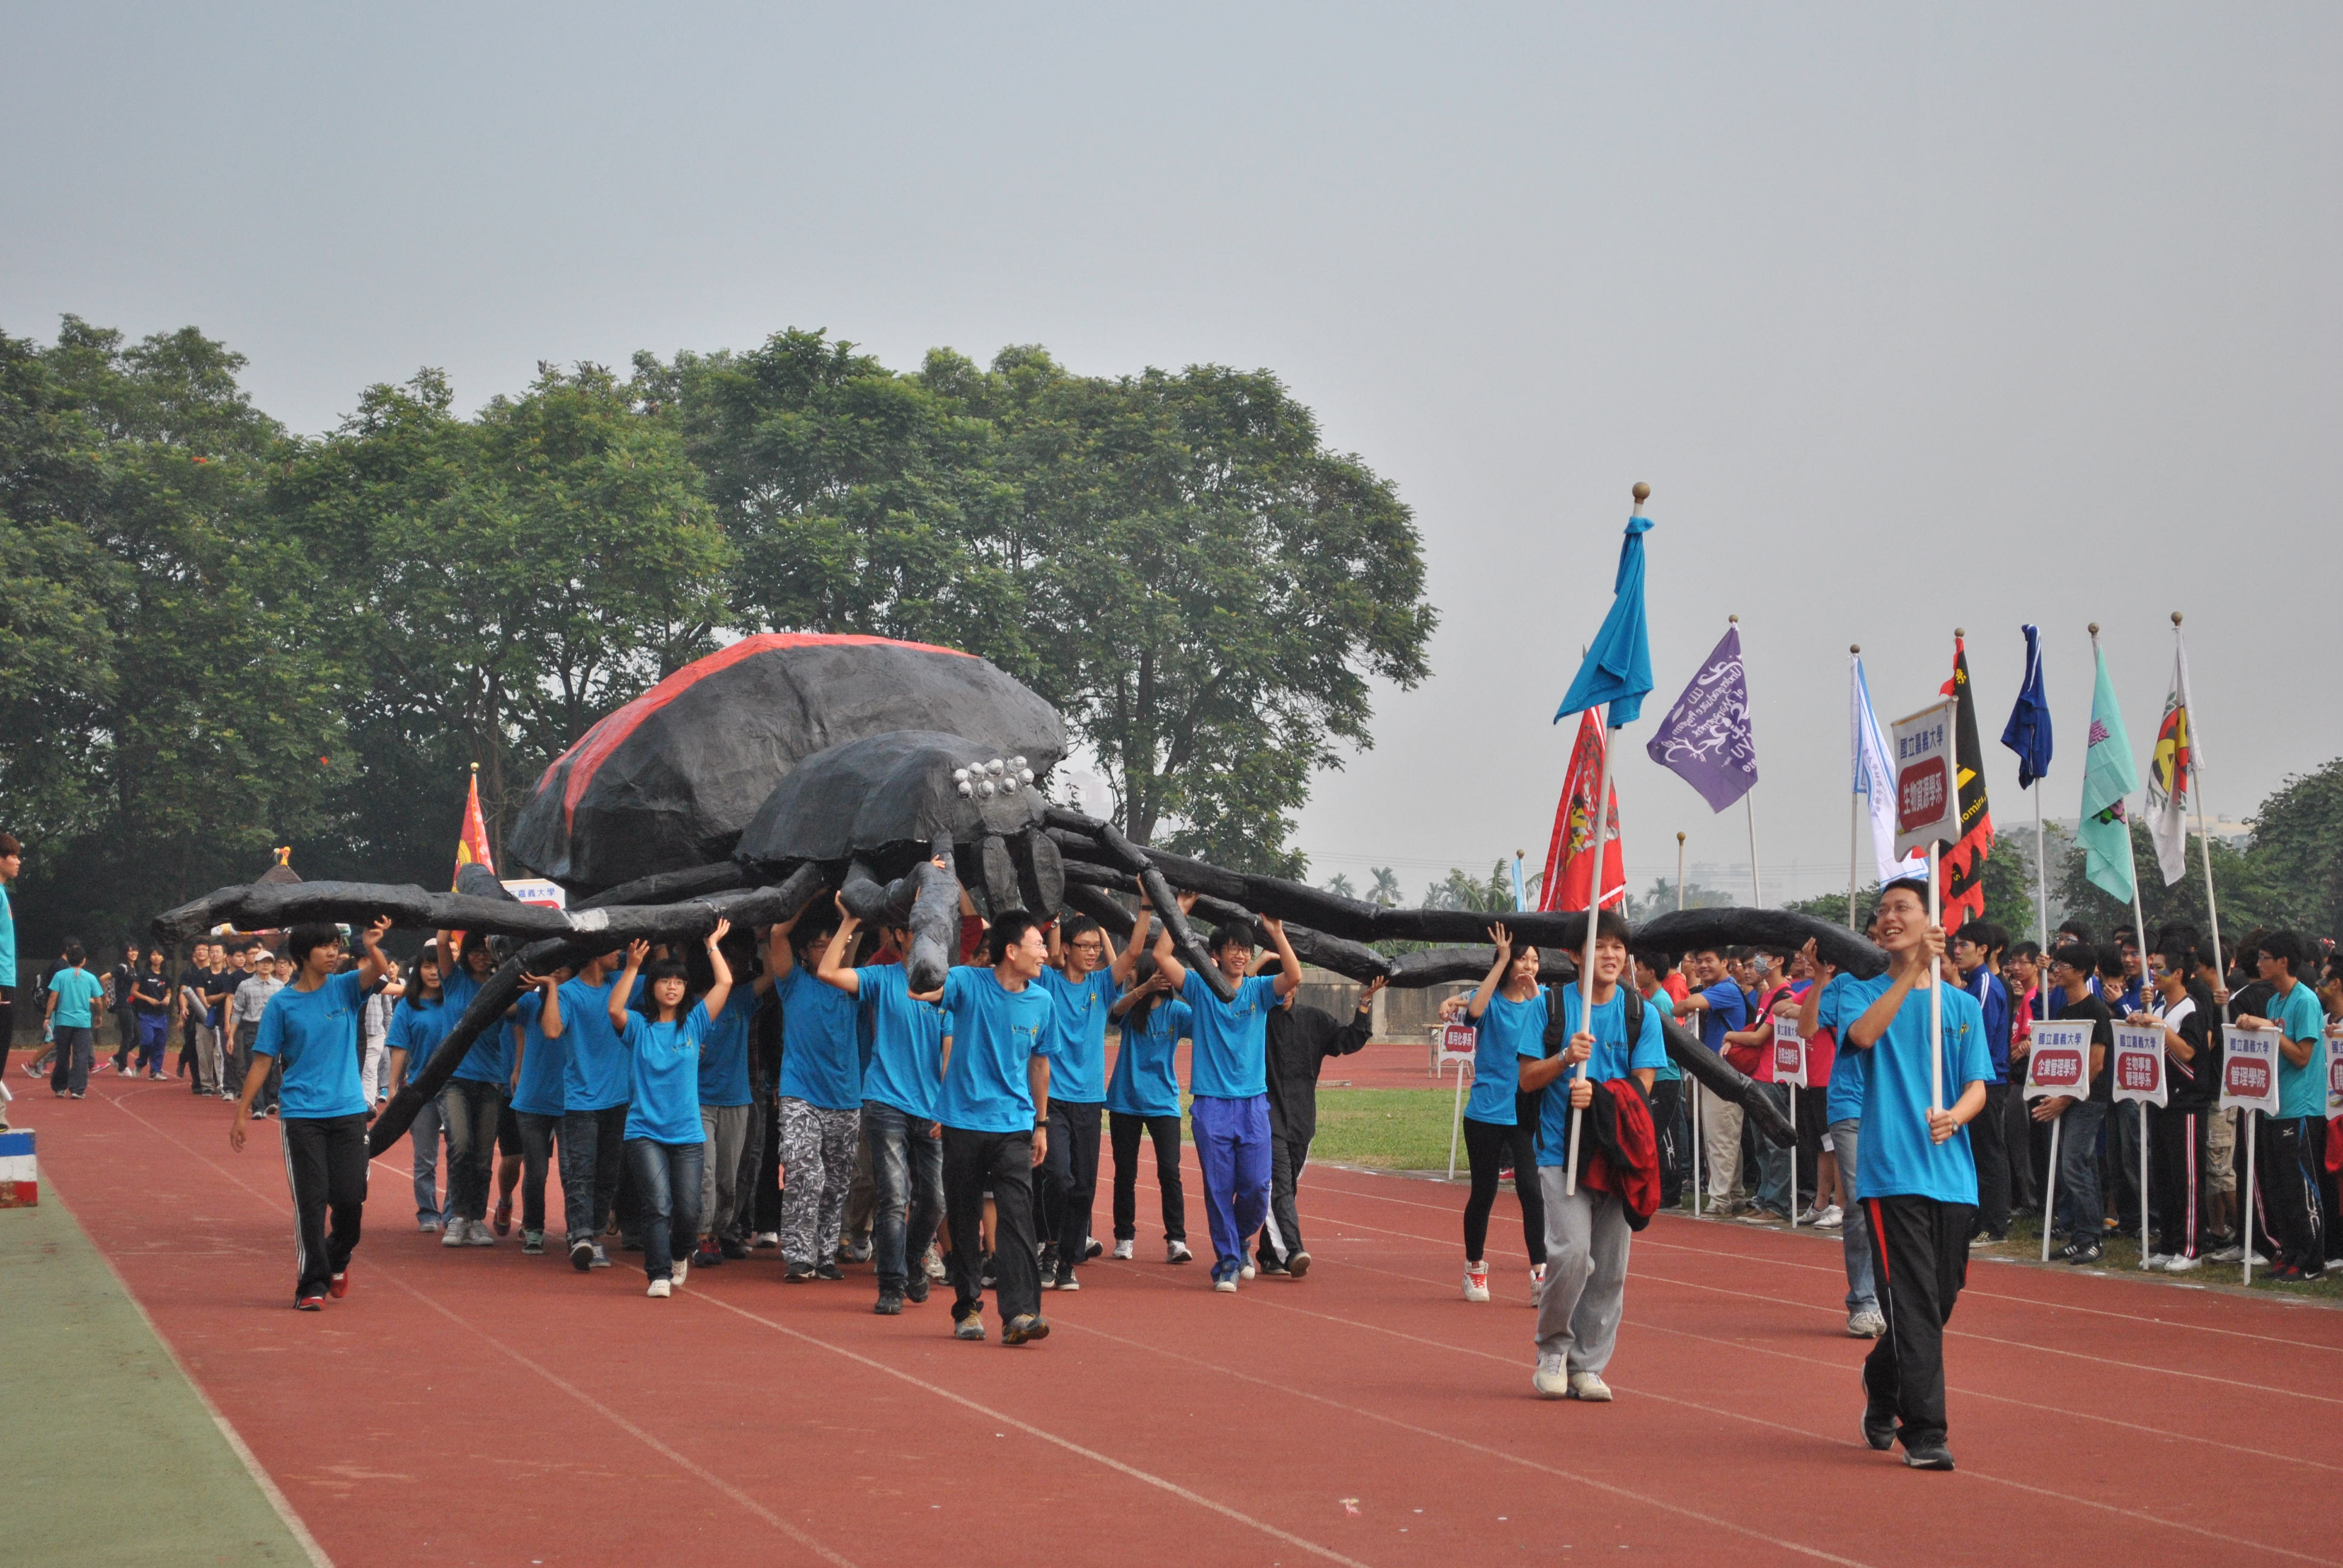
(1694, 1082)
(1756, 891)
(1680, 844)
(1854, 817)
(1594, 905)
(2042, 901)
(1936, 918)
(2196, 788)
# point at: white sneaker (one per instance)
(477, 1234)
(1228, 1285)
(453, 1236)
(1551, 1379)
(2157, 1260)
(1122, 1249)
(1247, 1270)
(1866, 1325)
(682, 1272)
(1537, 1281)
(660, 1290)
(1587, 1386)
(2179, 1263)
(932, 1262)
(1813, 1214)
(1177, 1252)
(1476, 1282)
(1832, 1219)
(773, 1239)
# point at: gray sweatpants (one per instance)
(1586, 1274)
(726, 1127)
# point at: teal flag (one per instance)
(2107, 777)
(1617, 669)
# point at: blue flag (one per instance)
(1617, 669)
(2028, 733)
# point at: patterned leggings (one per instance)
(816, 1170)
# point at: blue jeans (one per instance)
(1232, 1146)
(907, 1169)
(1854, 1228)
(666, 1189)
(2082, 1212)
(471, 1108)
(1775, 1162)
(423, 1139)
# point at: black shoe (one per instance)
(1879, 1431)
(581, 1254)
(797, 1275)
(916, 1290)
(829, 1271)
(890, 1304)
(1096, 1247)
(1929, 1456)
(733, 1248)
(2084, 1252)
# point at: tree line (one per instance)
(219, 636)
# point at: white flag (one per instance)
(2168, 777)
(1874, 780)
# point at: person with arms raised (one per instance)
(1508, 1015)
(665, 1142)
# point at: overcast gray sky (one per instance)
(1913, 316)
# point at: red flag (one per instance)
(472, 844)
(1963, 895)
(1569, 855)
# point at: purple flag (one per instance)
(1704, 739)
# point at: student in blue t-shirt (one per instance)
(1916, 1179)
(596, 1083)
(310, 1031)
(2291, 1152)
(418, 1023)
(76, 1001)
(1500, 1120)
(1716, 1008)
(898, 1105)
(1143, 1097)
(821, 1095)
(727, 1114)
(472, 1103)
(1083, 987)
(665, 1143)
(1229, 1074)
(993, 1103)
(542, 1055)
(1843, 1122)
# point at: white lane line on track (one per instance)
(1973, 1473)
(1042, 1434)
(391, 1276)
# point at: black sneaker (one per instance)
(797, 1275)
(829, 1271)
(733, 1248)
(916, 1290)
(1929, 1456)
(1024, 1328)
(581, 1254)
(1066, 1281)
(1879, 1431)
(890, 1304)
(1096, 1247)
(2084, 1252)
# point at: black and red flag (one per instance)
(1963, 863)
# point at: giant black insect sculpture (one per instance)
(757, 778)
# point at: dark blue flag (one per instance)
(2028, 733)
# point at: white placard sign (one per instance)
(539, 891)
(1458, 1042)
(2060, 1062)
(2140, 1064)
(2334, 1072)
(1927, 795)
(1789, 1054)
(2250, 1069)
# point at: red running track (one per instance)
(478, 1406)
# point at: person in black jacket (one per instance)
(2184, 1010)
(1301, 1039)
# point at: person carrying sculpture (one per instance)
(596, 1082)
(309, 1032)
(993, 1105)
(1081, 986)
(1297, 1043)
(1229, 1075)
(1143, 1097)
(821, 1097)
(1917, 1178)
(541, 1056)
(665, 1143)
(899, 1106)
(1717, 1007)
(1617, 1044)
(419, 1020)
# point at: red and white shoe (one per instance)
(339, 1286)
(310, 1304)
(1477, 1280)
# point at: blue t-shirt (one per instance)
(1146, 1079)
(490, 1058)
(1993, 1001)
(1613, 1058)
(907, 1042)
(821, 1046)
(1843, 1001)
(724, 1052)
(995, 1032)
(314, 1036)
(665, 1077)
(74, 991)
(543, 1062)
(7, 940)
(596, 1076)
(1078, 1054)
(1667, 1072)
(1896, 1158)
(1728, 1009)
(1231, 1056)
(417, 1030)
(1509, 1031)
(2301, 1090)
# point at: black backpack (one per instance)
(1555, 1039)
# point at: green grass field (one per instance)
(1387, 1128)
